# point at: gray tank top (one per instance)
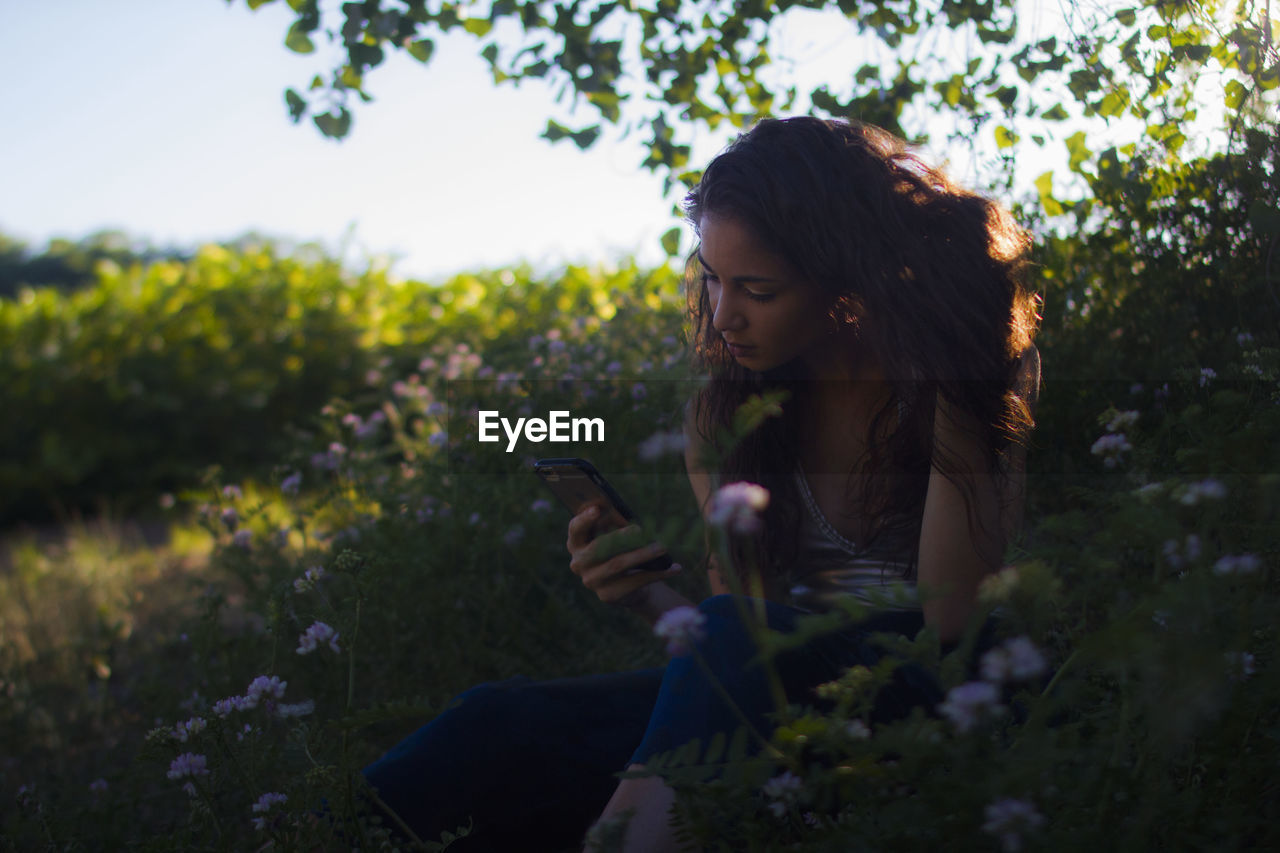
(830, 566)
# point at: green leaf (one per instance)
(671, 242)
(1044, 186)
(421, 49)
(1126, 17)
(254, 4)
(1235, 94)
(478, 27)
(297, 39)
(1055, 113)
(1264, 218)
(1005, 138)
(296, 104)
(334, 125)
(1077, 151)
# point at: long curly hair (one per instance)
(937, 275)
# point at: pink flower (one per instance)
(681, 627)
(318, 633)
(736, 507)
(188, 764)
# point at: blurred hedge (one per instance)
(134, 386)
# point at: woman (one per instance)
(890, 307)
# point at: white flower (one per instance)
(182, 732)
(783, 790)
(1111, 447)
(1120, 420)
(1242, 564)
(297, 709)
(290, 485)
(264, 805)
(736, 507)
(266, 801)
(270, 687)
(681, 627)
(1015, 660)
(309, 579)
(188, 764)
(224, 707)
(1210, 489)
(968, 703)
(857, 730)
(310, 639)
(1009, 818)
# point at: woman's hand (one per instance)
(607, 563)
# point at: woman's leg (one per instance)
(691, 702)
(530, 764)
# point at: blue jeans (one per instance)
(532, 763)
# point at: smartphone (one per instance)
(577, 484)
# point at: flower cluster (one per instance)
(184, 731)
(1014, 660)
(968, 704)
(737, 507)
(1193, 493)
(1241, 564)
(309, 579)
(1008, 819)
(314, 636)
(188, 766)
(784, 790)
(1111, 447)
(263, 806)
(681, 627)
(662, 443)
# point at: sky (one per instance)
(166, 119)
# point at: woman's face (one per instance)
(764, 309)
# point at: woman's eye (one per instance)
(758, 297)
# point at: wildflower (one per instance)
(247, 730)
(168, 501)
(318, 633)
(188, 765)
(660, 444)
(540, 505)
(1149, 491)
(1244, 339)
(613, 368)
(309, 579)
(1014, 660)
(183, 731)
(1111, 447)
(736, 507)
(230, 518)
(224, 707)
(296, 709)
(513, 536)
(98, 786)
(370, 427)
(681, 627)
(232, 493)
(1121, 420)
(857, 730)
(1209, 489)
(438, 439)
(638, 391)
(242, 538)
(271, 687)
(1135, 389)
(1242, 564)
(1008, 819)
(783, 790)
(428, 364)
(290, 485)
(263, 806)
(998, 587)
(968, 703)
(1207, 374)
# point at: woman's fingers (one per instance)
(597, 574)
(580, 528)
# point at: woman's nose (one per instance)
(724, 315)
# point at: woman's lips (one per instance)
(738, 350)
